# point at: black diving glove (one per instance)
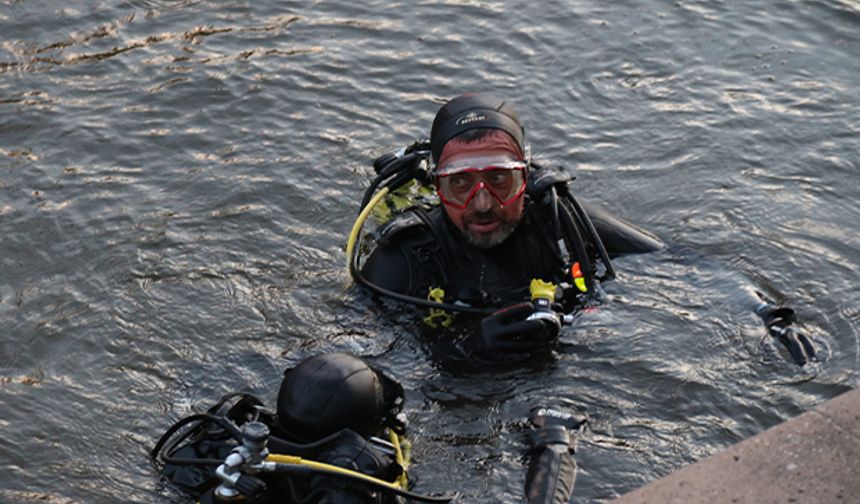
(509, 331)
(779, 322)
(250, 487)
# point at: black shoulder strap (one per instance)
(421, 237)
(407, 219)
(541, 178)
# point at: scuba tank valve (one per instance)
(234, 485)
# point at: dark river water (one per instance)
(177, 180)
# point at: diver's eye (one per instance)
(499, 178)
(460, 181)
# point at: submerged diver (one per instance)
(504, 222)
(323, 444)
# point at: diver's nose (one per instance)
(483, 200)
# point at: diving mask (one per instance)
(458, 182)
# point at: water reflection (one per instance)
(177, 180)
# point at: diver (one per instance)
(502, 221)
(326, 444)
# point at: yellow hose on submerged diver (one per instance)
(294, 460)
(359, 223)
(399, 457)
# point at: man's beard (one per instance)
(489, 240)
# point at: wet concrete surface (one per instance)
(813, 458)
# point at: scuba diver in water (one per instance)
(325, 444)
(508, 240)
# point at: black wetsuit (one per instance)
(419, 250)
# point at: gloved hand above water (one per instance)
(779, 322)
(508, 331)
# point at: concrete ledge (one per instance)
(813, 458)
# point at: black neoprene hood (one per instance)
(472, 111)
(329, 392)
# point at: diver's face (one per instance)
(489, 217)
(485, 223)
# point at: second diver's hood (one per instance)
(329, 392)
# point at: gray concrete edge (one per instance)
(810, 459)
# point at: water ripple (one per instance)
(177, 179)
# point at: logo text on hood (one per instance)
(470, 118)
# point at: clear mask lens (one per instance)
(504, 183)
